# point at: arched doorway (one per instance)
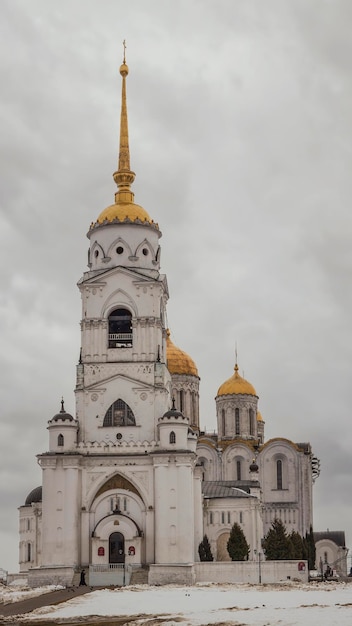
(221, 545)
(116, 548)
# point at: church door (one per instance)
(116, 548)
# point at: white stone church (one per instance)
(132, 479)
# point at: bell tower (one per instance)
(123, 385)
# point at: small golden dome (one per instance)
(259, 416)
(179, 362)
(236, 385)
(124, 211)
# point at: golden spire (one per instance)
(124, 177)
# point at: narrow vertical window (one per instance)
(223, 422)
(60, 440)
(279, 474)
(241, 517)
(29, 552)
(210, 518)
(222, 517)
(181, 400)
(228, 517)
(238, 470)
(172, 437)
(251, 422)
(237, 421)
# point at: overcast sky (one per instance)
(240, 119)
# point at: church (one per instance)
(131, 481)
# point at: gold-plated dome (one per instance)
(124, 211)
(236, 385)
(179, 362)
(259, 416)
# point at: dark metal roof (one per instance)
(337, 536)
(34, 496)
(222, 489)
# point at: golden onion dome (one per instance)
(124, 211)
(178, 361)
(259, 416)
(236, 385)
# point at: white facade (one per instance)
(122, 481)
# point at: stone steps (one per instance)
(140, 576)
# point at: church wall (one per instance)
(61, 510)
(174, 508)
(237, 458)
(220, 514)
(30, 536)
(209, 461)
(268, 572)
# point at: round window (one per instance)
(118, 436)
(119, 249)
(145, 251)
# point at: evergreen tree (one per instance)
(237, 545)
(299, 549)
(310, 543)
(277, 544)
(204, 550)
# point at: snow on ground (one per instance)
(321, 604)
(16, 592)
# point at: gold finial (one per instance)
(124, 177)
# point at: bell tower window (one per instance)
(119, 414)
(172, 437)
(60, 440)
(120, 329)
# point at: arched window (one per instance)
(237, 421)
(223, 422)
(29, 552)
(251, 422)
(172, 437)
(181, 400)
(120, 329)
(119, 414)
(60, 440)
(279, 474)
(238, 470)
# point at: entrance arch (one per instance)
(116, 548)
(221, 545)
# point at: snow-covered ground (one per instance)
(18, 590)
(323, 604)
